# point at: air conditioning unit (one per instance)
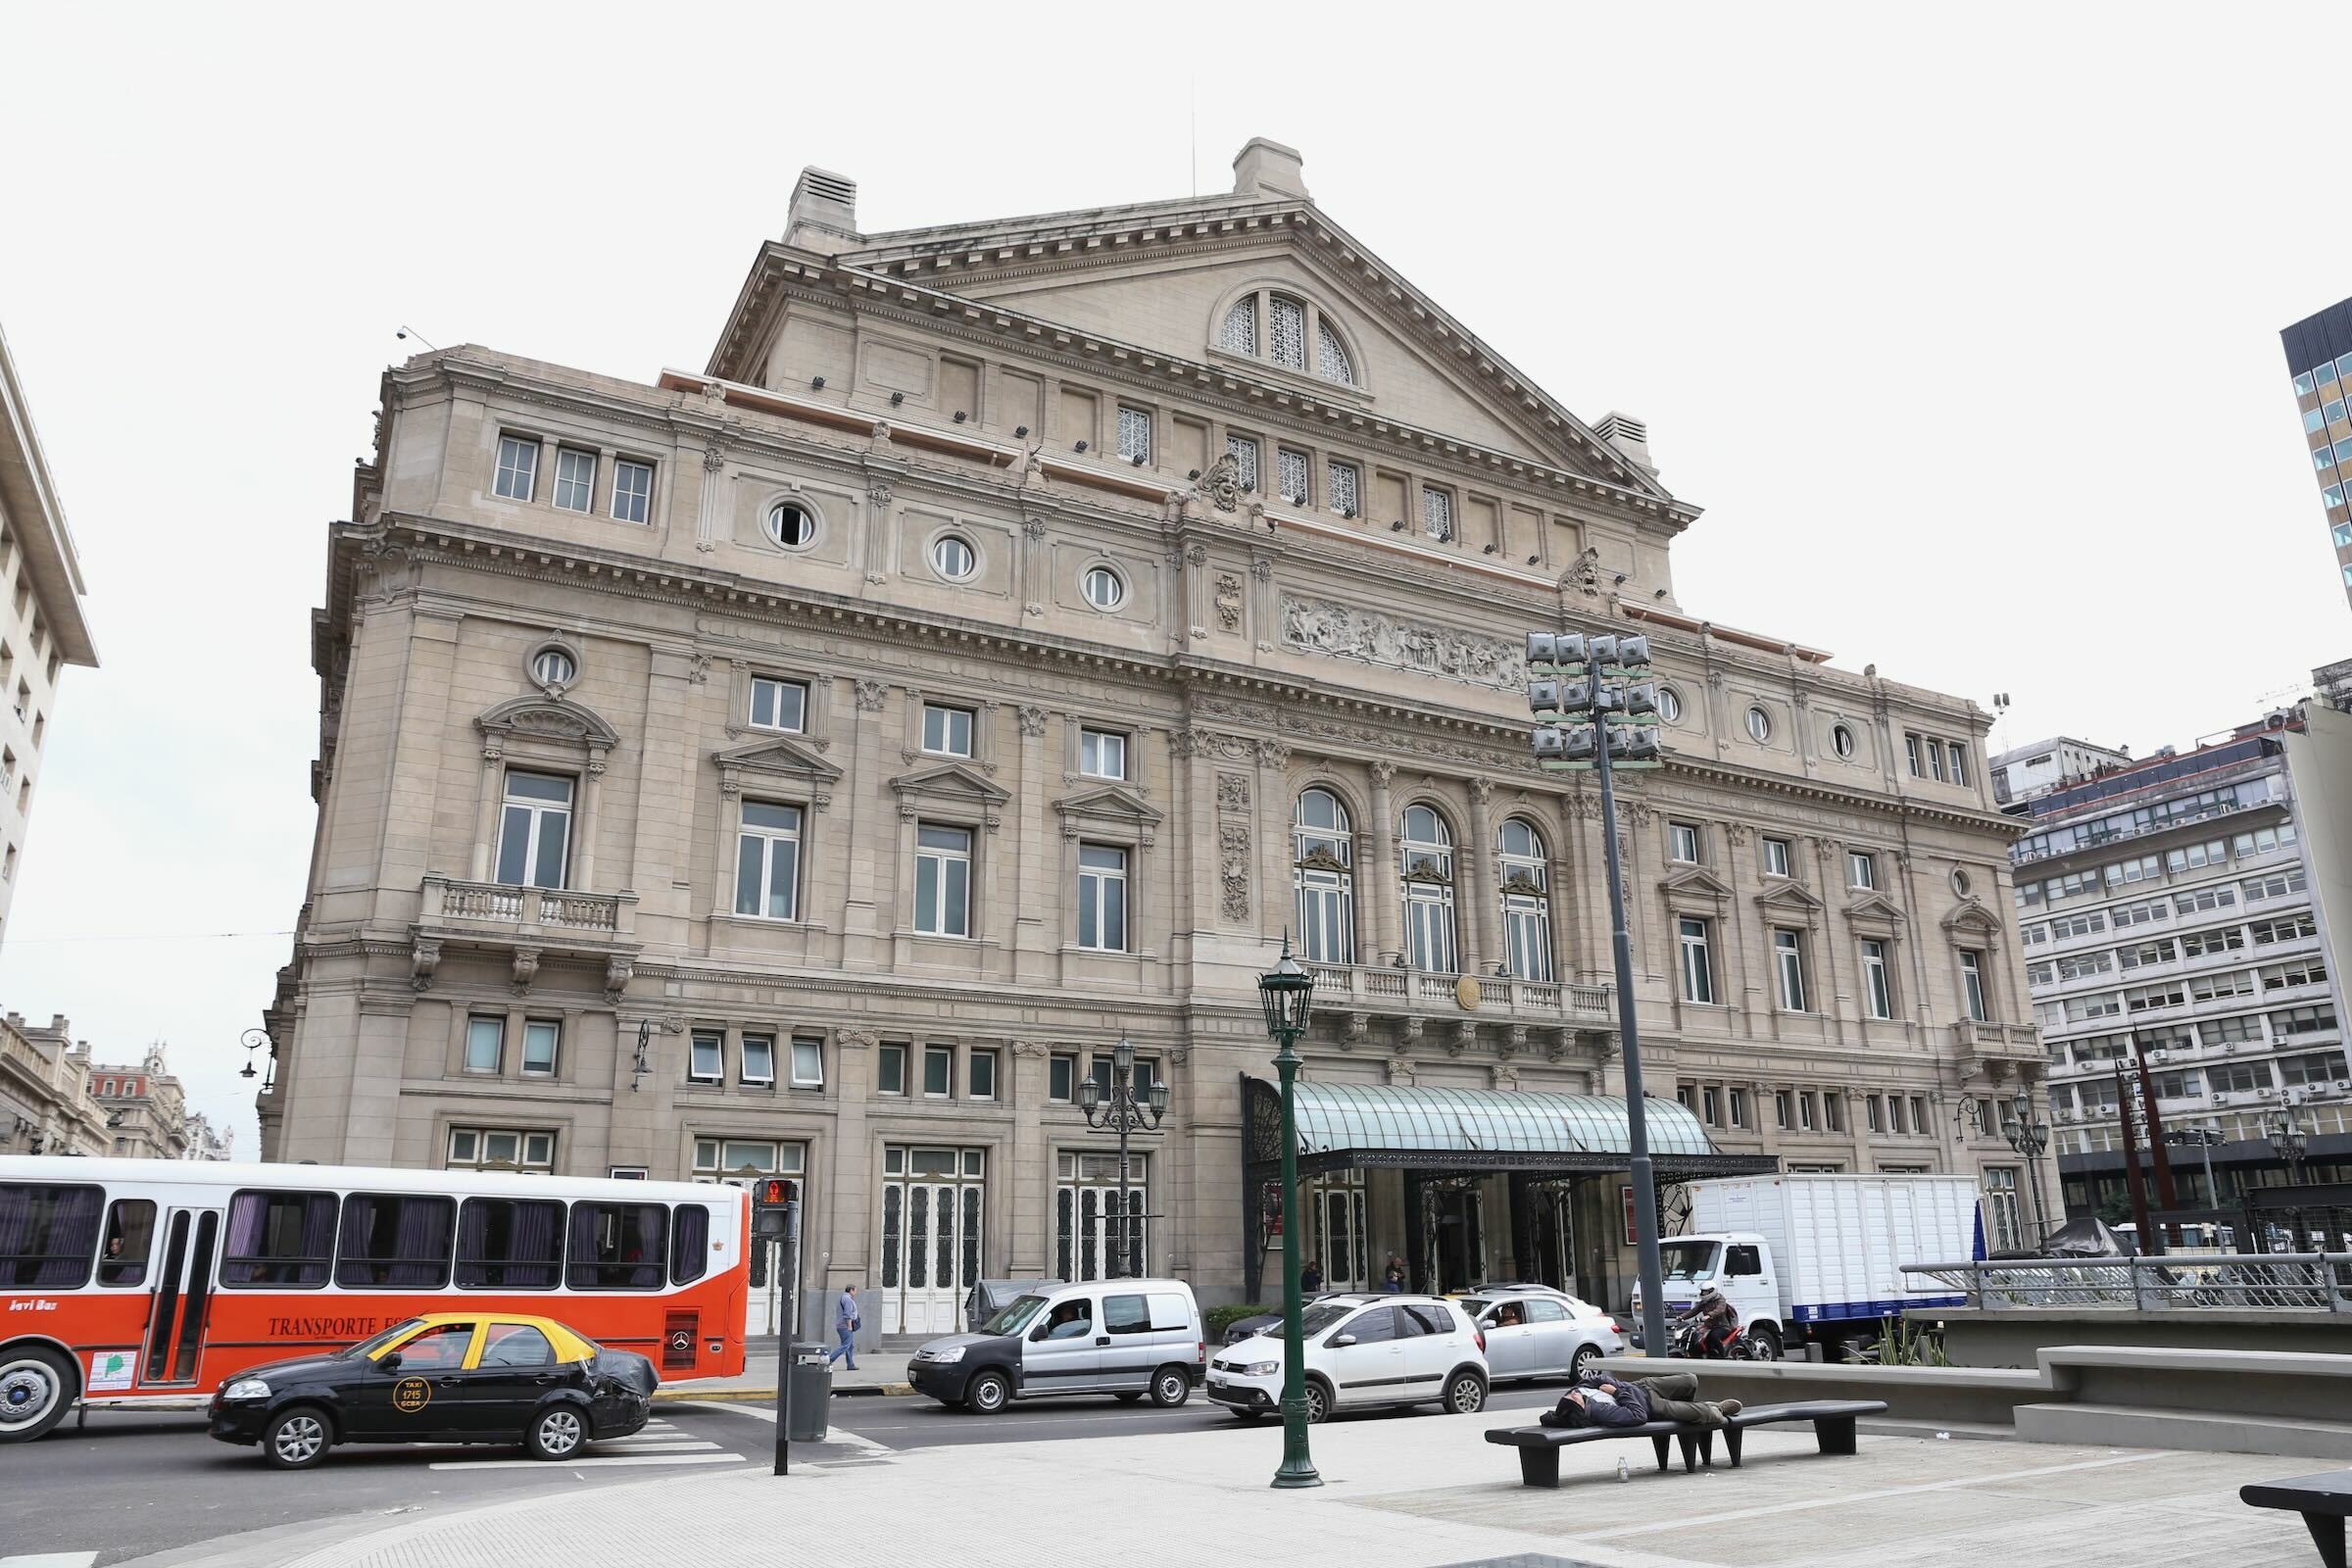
(2229, 1048)
(2158, 1054)
(2265, 1094)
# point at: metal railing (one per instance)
(2177, 1282)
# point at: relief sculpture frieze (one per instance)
(1342, 631)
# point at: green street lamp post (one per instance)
(1287, 994)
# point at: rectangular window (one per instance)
(501, 1149)
(2318, 1071)
(946, 731)
(2302, 1021)
(1935, 750)
(890, 1075)
(540, 1037)
(1061, 1079)
(1861, 870)
(1343, 487)
(1972, 983)
(1681, 842)
(1878, 980)
(1437, 514)
(1911, 754)
(49, 1232)
(1698, 972)
(129, 1238)
(632, 490)
(518, 467)
(506, 1244)
(1833, 1112)
(618, 1247)
(767, 861)
(1101, 754)
(807, 1065)
(778, 704)
(939, 1071)
(576, 479)
(396, 1242)
(1804, 1111)
(1783, 1110)
(1870, 1112)
(1102, 897)
(1919, 1115)
(1787, 957)
(706, 1058)
(942, 880)
(1738, 1098)
(486, 1045)
(1135, 434)
(1776, 857)
(1244, 452)
(278, 1238)
(981, 1070)
(758, 1067)
(1290, 475)
(1959, 758)
(534, 835)
(1710, 1107)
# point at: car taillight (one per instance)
(1480, 1335)
(1613, 1328)
(1202, 1349)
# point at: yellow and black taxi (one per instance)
(445, 1376)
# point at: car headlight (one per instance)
(954, 1353)
(246, 1389)
(1261, 1369)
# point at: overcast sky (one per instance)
(1964, 330)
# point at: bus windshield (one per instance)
(1686, 1260)
(1015, 1315)
(369, 1345)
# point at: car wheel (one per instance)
(1318, 1402)
(987, 1393)
(1465, 1395)
(296, 1438)
(559, 1432)
(1585, 1357)
(1764, 1344)
(36, 1385)
(1129, 1396)
(1171, 1385)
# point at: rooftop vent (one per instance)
(824, 211)
(1628, 435)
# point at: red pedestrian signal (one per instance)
(775, 1192)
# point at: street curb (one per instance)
(751, 1395)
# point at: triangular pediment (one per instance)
(950, 780)
(1972, 917)
(1696, 882)
(1874, 908)
(1789, 897)
(1108, 801)
(776, 755)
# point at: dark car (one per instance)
(447, 1377)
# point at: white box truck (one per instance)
(1818, 1260)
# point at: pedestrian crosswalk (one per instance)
(660, 1443)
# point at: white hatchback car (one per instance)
(1362, 1351)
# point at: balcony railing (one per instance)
(537, 912)
(2296, 1282)
(1372, 987)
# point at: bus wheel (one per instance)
(36, 1385)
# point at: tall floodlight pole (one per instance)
(1287, 994)
(1596, 707)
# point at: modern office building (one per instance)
(41, 625)
(2318, 355)
(2028, 773)
(2188, 914)
(820, 760)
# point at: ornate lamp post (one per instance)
(1287, 992)
(1125, 1114)
(2289, 1145)
(2028, 1136)
(254, 1040)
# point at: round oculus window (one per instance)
(1960, 883)
(1759, 724)
(1670, 705)
(952, 558)
(1104, 590)
(553, 666)
(1841, 740)
(791, 525)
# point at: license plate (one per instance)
(1219, 1382)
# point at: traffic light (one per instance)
(771, 1217)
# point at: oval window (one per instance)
(1759, 724)
(1104, 590)
(552, 667)
(1841, 740)
(1960, 883)
(790, 525)
(1670, 705)
(951, 557)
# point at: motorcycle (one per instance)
(1686, 1340)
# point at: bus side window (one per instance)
(129, 1238)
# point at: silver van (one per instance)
(1127, 1338)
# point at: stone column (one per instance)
(1035, 937)
(1377, 880)
(1028, 1249)
(847, 1238)
(1486, 913)
(871, 823)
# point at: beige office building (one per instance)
(819, 761)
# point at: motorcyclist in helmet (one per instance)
(1718, 1321)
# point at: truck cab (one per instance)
(1737, 1263)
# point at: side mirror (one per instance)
(1038, 1333)
(389, 1361)
(1340, 1342)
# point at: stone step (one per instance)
(2189, 1431)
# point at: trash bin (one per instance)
(811, 1394)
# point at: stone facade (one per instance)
(46, 1106)
(146, 1109)
(1201, 486)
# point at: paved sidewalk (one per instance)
(1413, 1492)
(882, 1372)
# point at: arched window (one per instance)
(1526, 900)
(1429, 938)
(1278, 327)
(1320, 847)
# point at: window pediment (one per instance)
(953, 787)
(1111, 807)
(1874, 913)
(776, 757)
(552, 719)
(1972, 920)
(1785, 898)
(1695, 884)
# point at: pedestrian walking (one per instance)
(1393, 1280)
(1310, 1278)
(845, 1326)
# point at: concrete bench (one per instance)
(1832, 1428)
(2324, 1501)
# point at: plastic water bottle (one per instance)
(1622, 1474)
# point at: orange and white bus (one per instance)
(128, 1279)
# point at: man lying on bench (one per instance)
(1600, 1400)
